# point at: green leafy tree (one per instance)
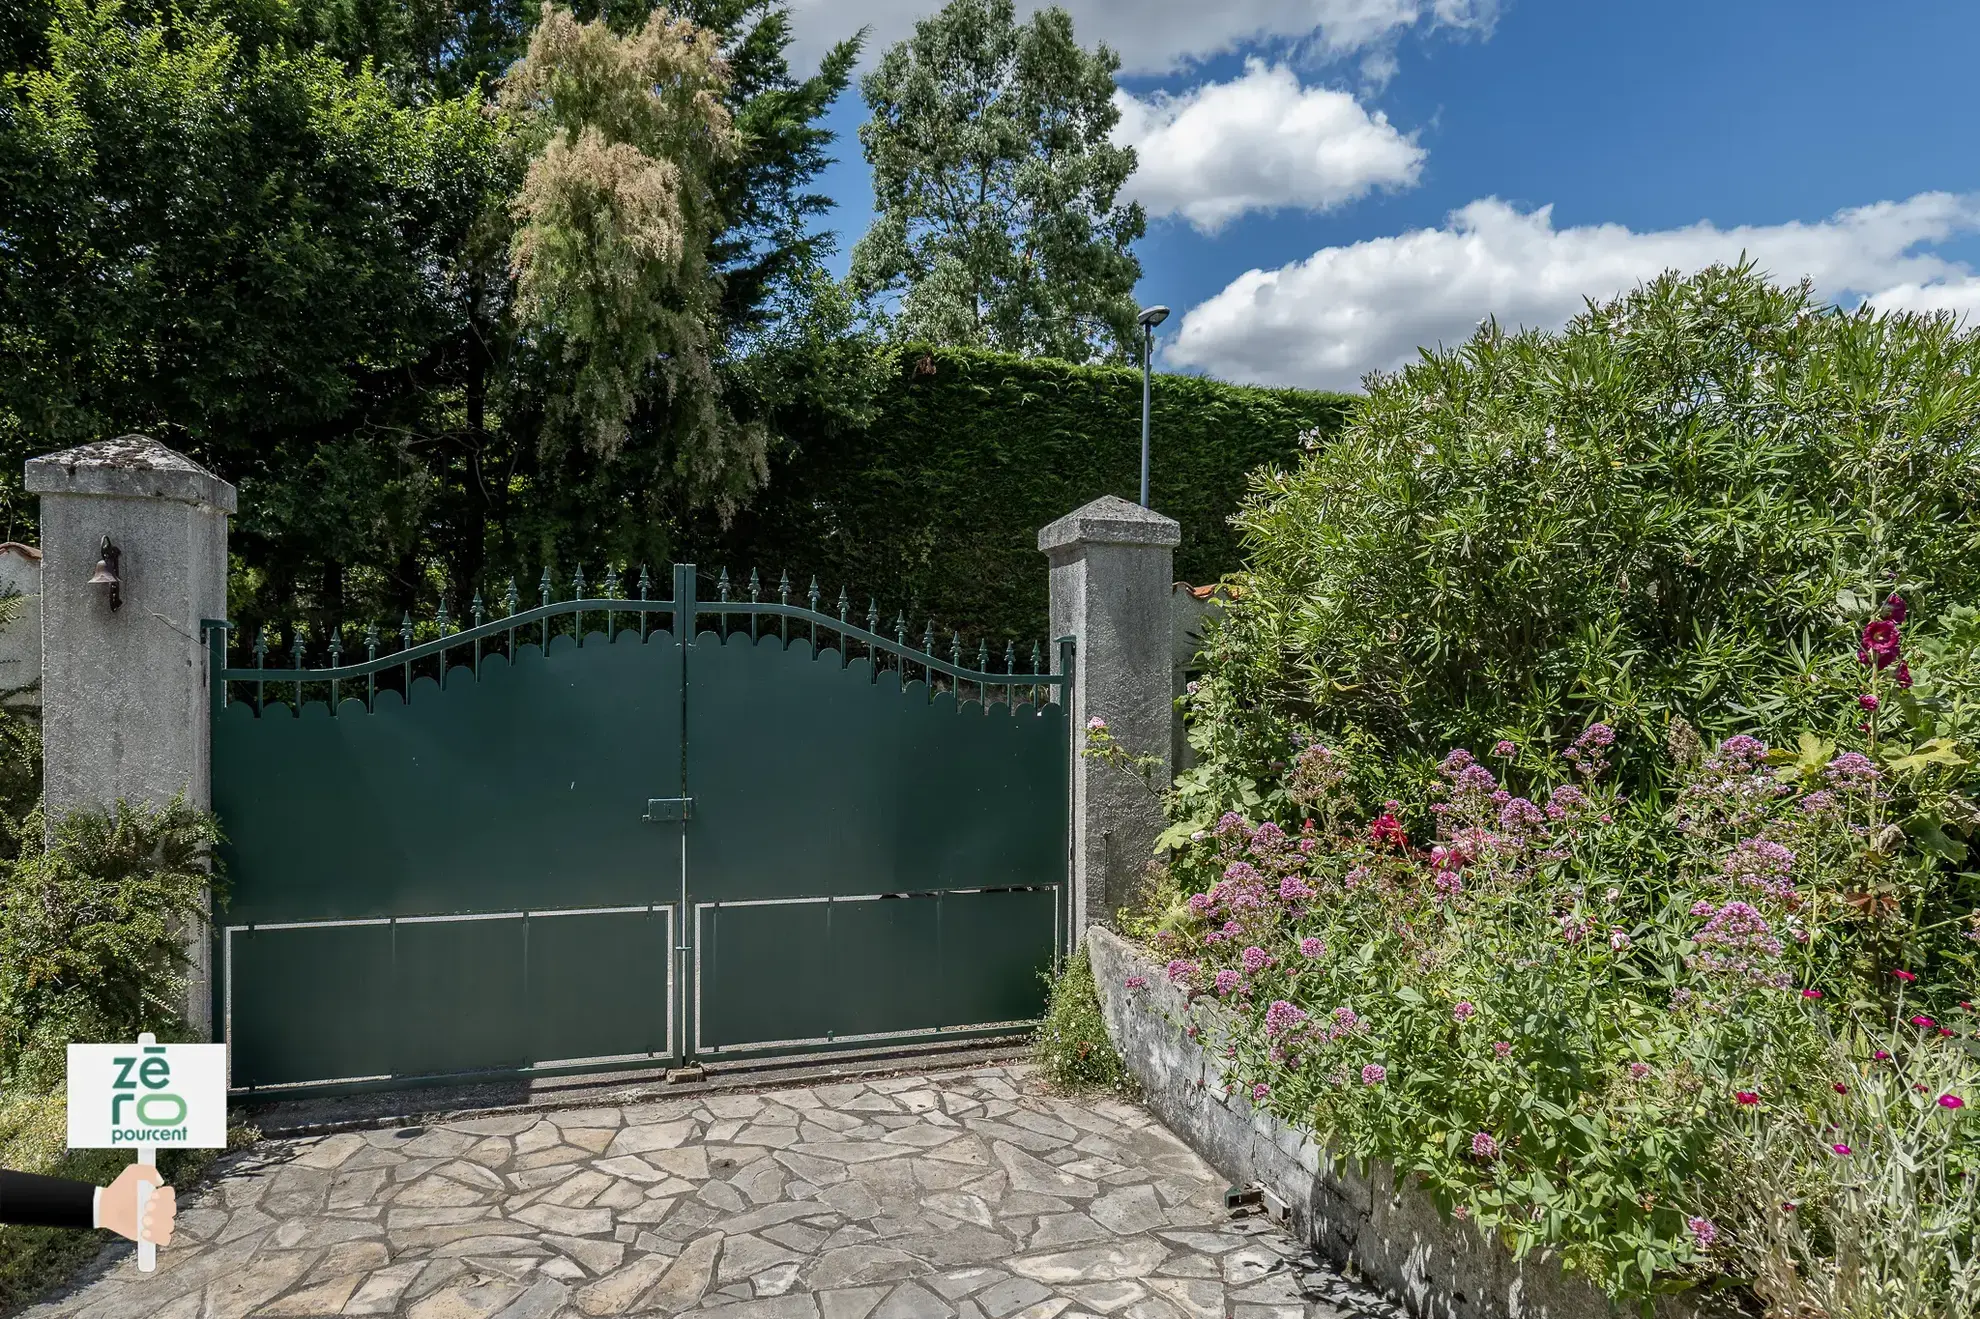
(997, 187)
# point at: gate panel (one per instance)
(865, 862)
(463, 820)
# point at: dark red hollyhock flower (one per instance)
(1880, 643)
(1895, 608)
(1386, 828)
(1903, 674)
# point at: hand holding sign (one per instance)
(144, 1097)
(118, 1210)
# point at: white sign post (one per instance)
(145, 1097)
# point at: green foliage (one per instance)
(90, 931)
(181, 188)
(1673, 509)
(996, 186)
(935, 503)
(1072, 1048)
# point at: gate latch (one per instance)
(662, 809)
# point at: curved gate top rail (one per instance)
(450, 650)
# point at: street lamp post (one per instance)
(1150, 318)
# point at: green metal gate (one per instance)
(615, 832)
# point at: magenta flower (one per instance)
(1464, 1012)
(1618, 940)
(1374, 1074)
(1259, 1091)
(1704, 1230)
(1387, 829)
(1638, 1070)
(1905, 976)
(1923, 1022)
(1841, 1151)
(1501, 1047)
(1484, 1146)
(1228, 980)
(1880, 643)
(1255, 959)
(1895, 608)
(1503, 748)
(1311, 947)
(1136, 982)
(1282, 1017)
(1951, 1101)
(1868, 701)
(1096, 724)
(1811, 993)
(1182, 972)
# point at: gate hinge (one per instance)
(662, 809)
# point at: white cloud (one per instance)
(1158, 36)
(1327, 320)
(1258, 142)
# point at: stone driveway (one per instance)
(969, 1195)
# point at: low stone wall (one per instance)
(1394, 1236)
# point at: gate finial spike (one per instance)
(1034, 657)
(645, 583)
(955, 649)
(812, 595)
(512, 599)
(544, 585)
(900, 630)
(722, 586)
(982, 656)
(296, 651)
(784, 589)
(261, 646)
(441, 618)
(872, 614)
(755, 587)
(844, 604)
(405, 631)
(371, 641)
(577, 583)
(337, 648)
(480, 613)
(928, 638)
(1010, 657)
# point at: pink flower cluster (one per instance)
(1762, 864)
(1736, 941)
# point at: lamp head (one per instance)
(1153, 316)
(105, 577)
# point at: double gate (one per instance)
(615, 833)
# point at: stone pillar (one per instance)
(124, 690)
(1111, 576)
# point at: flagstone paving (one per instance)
(961, 1196)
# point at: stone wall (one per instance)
(1394, 1236)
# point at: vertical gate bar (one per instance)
(645, 593)
(927, 649)
(872, 651)
(784, 600)
(441, 621)
(1072, 753)
(480, 613)
(811, 602)
(510, 601)
(336, 662)
(684, 940)
(405, 644)
(371, 673)
(296, 659)
(577, 595)
(755, 599)
(543, 627)
(260, 663)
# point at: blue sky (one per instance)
(1335, 146)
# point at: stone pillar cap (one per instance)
(133, 466)
(1110, 520)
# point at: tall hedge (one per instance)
(934, 507)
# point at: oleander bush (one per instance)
(1668, 510)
